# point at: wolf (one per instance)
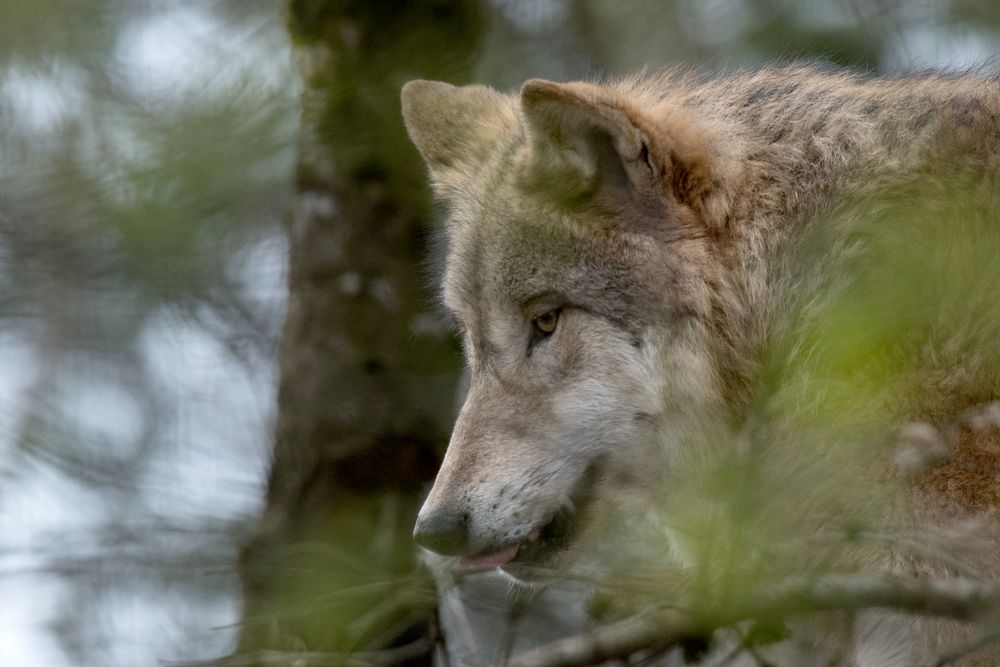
(623, 258)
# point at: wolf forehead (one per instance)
(534, 262)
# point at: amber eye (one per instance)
(546, 323)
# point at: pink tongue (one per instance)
(488, 561)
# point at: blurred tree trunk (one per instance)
(368, 374)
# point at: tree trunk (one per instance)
(368, 373)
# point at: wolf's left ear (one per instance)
(591, 141)
(455, 128)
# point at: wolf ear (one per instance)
(590, 141)
(454, 128)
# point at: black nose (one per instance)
(446, 533)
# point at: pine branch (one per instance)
(960, 599)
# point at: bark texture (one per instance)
(367, 389)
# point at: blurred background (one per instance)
(154, 185)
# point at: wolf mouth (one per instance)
(557, 535)
(540, 550)
(546, 544)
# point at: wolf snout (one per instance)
(444, 532)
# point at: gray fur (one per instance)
(656, 216)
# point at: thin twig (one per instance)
(391, 656)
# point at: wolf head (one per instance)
(579, 270)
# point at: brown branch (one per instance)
(961, 599)
(654, 632)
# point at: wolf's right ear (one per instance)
(455, 128)
(591, 143)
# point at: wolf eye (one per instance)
(546, 323)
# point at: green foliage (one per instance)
(347, 589)
(139, 235)
(892, 316)
(143, 177)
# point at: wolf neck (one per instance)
(807, 140)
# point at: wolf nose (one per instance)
(445, 533)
